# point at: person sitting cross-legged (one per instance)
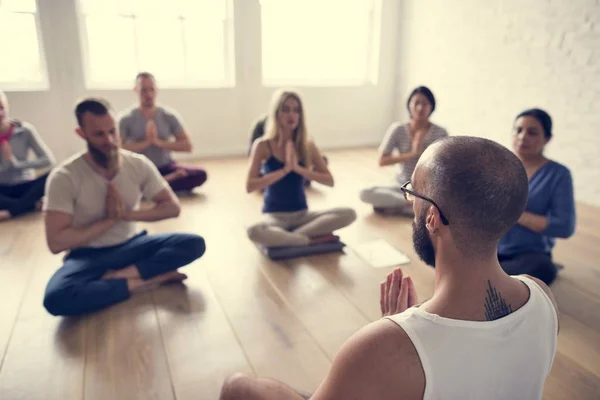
(287, 156)
(22, 178)
(550, 213)
(156, 131)
(483, 334)
(92, 205)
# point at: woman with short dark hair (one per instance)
(409, 140)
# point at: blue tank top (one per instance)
(285, 195)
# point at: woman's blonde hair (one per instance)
(299, 136)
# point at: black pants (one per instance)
(538, 265)
(21, 198)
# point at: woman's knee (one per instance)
(254, 232)
(347, 215)
(236, 386)
(366, 195)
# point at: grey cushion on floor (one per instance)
(281, 253)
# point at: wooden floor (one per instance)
(242, 312)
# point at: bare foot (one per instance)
(4, 215)
(136, 284)
(110, 274)
(324, 239)
(171, 277)
(129, 272)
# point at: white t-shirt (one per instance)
(77, 189)
(505, 359)
(398, 137)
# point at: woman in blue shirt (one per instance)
(550, 211)
(288, 158)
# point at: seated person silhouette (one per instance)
(550, 211)
(409, 140)
(93, 204)
(21, 188)
(483, 334)
(288, 157)
(259, 132)
(147, 129)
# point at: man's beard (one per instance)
(101, 158)
(422, 242)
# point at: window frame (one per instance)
(372, 60)
(228, 54)
(44, 83)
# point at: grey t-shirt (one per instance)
(398, 137)
(77, 189)
(21, 168)
(132, 126)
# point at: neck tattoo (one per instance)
(495, 306)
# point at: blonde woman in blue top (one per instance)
(287, 158)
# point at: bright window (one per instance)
(22, 65)
(319, 41)
(184, 43)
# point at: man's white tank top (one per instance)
(508, 358)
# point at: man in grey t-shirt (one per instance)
(92, 206)
(155, 132)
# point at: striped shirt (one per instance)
(398, 137)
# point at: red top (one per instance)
(5, 137)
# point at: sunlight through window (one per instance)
(317, 41)
(184, 43)
(24, 65)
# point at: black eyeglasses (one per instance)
(410, 195)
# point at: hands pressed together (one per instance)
(397, 293)
(291, 158)
(115, 208)
(152, 134)
(418, 142)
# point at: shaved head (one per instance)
(480, 186)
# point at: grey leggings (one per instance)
(289, 229)
(385, 197)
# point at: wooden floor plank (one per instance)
(306, 290)
(15, 273)
(241, 311)
(46, 356)
(201, 347)
(125, 356)
(569, 380)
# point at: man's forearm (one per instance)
(265, 180)
(391, 160)
(71, 238)
(321, 177)
(136, 147)
(183, 145)
(156, 213)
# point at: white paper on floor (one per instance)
(381, 254)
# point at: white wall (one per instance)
(218, 120)
(488, 60)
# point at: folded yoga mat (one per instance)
(380, 254)
(282, 253)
